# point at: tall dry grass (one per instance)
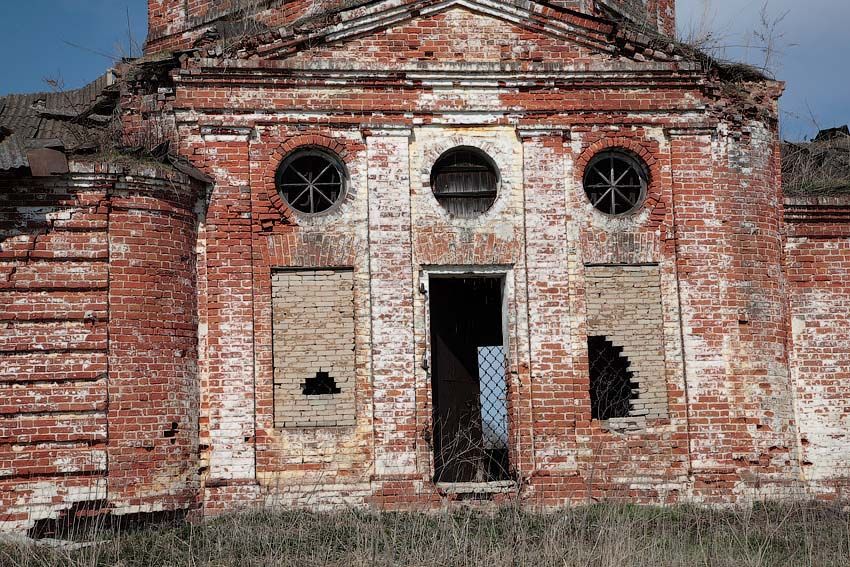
(604, 535)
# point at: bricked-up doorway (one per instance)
(469, 388)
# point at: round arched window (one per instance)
(311, 180)
(464, 181)
(615, 181)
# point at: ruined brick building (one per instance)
(403, 252)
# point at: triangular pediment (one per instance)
(443, 30)
(453, 35)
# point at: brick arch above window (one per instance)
(293, 144)
(435, 151)
(638, 149)
(494, 153)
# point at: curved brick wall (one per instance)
(153, 392)
(98, 344)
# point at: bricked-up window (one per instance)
(313, 342)
(465, 182)
(615, 181)
(611, 386)
(625, 328)
(311, 180)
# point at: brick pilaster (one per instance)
(227, 405)
(392, 303)
(552, 387)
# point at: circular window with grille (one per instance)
(311, 180)
(464, 181)
(615, 182)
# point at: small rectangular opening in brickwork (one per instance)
(313, 343)
(468, 380)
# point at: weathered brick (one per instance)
(155, 334)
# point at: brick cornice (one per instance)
(818, 210)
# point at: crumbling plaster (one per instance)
(748, 319)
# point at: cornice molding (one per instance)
(654, 75)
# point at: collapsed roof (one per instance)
(38, 130)
(68, 121)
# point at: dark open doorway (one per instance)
(468, 381)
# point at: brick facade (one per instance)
(817, 260)
(190, 324)
(98, 355)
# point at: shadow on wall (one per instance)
(30, 209)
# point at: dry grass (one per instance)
(601, 535)
(817, 168)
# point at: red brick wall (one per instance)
(711, 228)
(818, 267)
(712, 200)
(741, 407)
(153, 390)
(442, 38)
(53, 346)
(89, 382)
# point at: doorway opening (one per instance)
(468, 379)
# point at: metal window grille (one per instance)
(493, 396)
(615, 182)
(311, 181)
(473, 447)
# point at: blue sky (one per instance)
(76, 40)
(812, 43)
(35, 37)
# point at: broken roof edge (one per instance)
(122, 164)
(176, 169)
(160, 157)
(727, 70)
(80, 104)
(640, 33)
(66, 120)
